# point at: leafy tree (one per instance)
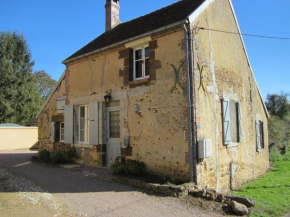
(44, 83)
(278, 104)
(19, 96)
(279, 125)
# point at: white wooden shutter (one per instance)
(226, 121)
(258, 135)
(68, 124)
(52, 132)
(239, 122)
(94, 123)
(60, 104)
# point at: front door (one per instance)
(113, 135)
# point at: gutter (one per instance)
(191, 119)
(179, 23)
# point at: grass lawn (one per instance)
(271, 191)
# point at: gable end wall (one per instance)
(226, 74)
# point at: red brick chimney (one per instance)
(112, 14)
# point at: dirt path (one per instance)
(39, 190)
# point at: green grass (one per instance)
(271, 191)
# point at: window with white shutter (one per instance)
(226, 121)
(232, 127)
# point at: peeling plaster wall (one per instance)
(226, 74)
(159, 132)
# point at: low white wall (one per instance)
(13, 138)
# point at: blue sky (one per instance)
(55, 29)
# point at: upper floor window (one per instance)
(141, 62)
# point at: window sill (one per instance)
(232, 144)
(261, 150)
(139, 82)
(83, 145)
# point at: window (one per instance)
(83, 126)
(61, 132)
(114, 124)
(260, 135)
(60, 104)
(141, 62)
(232, 131)
(57, 132)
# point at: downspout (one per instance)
(191, 121)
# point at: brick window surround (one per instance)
(127, 71)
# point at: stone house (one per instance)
(165, 89)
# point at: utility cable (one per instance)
(245, 34)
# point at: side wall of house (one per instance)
(226, 74)
(153, 112)
(46, 118)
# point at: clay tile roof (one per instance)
(165, 16)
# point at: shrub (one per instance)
(71, 153)
(118, 167)
(57, 157)
(275, 154)
(44, 156)
(132, 167)
(135, 167)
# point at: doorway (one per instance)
(113, 135)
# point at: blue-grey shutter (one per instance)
(239, 121)
(94, 123)
(258, 135)
(52, 132)
(264, 137)
(226, 121)
(68, 124)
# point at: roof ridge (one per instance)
(179, 1)
(157, 19)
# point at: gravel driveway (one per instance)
(56, 191)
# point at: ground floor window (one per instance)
(83, 127)
(57, 132)
(61, 132)
(232, 127)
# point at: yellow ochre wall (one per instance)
(18, 138)
(159, 132)
(226, 74)
(44, 118)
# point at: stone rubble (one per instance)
(239, 209)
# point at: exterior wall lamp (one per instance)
(108, 96)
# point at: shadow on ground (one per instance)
(53, 179)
